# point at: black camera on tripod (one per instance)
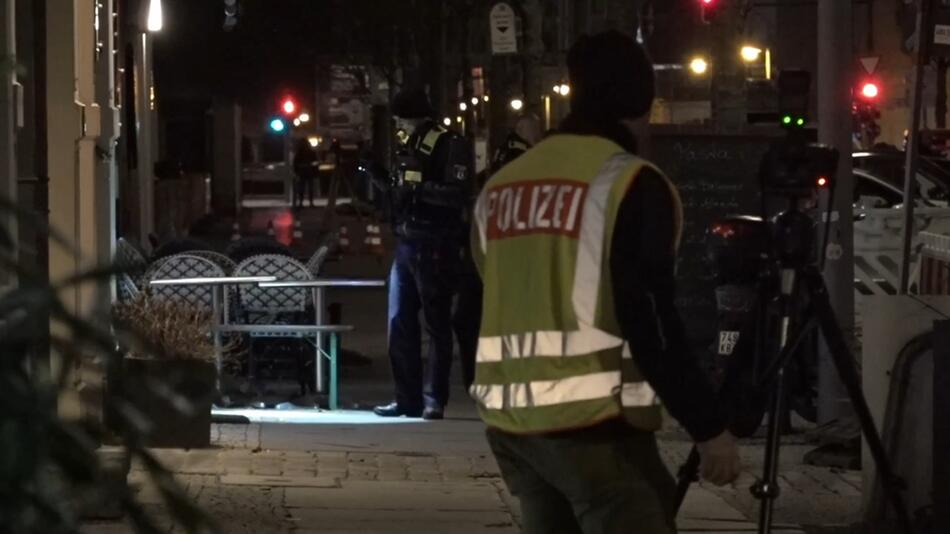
(791, 174)
(771, 298)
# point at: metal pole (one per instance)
(318, 364)
(216, 291)
(835, 71)
(913, 141)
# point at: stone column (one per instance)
(73, 126)
(226, 178)
(144, 218)
(9, 105)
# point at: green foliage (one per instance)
(48, 464)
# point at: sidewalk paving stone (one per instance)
(377, 495)
(279, 481)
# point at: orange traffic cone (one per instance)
(344, 242)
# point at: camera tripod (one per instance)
(800, 280)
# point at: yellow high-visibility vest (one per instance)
(551, 355)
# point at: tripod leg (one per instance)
(844, 364)
(688, 473)
(766, 489)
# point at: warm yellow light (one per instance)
(296, 122)
(447, 121)
(155, 21)
(698, 65)
(557, 89)
(750, 53)
(474, 100)
(458, 119)
(485, 98)
(565, 89)
(517, 104)
(463, 106)
(314, 141)
(304, 117)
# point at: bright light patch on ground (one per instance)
(311, 416)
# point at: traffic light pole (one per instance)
(913, 139)
(835, 69)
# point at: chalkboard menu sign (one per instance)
(716, 175)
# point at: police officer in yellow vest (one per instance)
(575, 242)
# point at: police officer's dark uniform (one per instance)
(430, 192)
(514, 146)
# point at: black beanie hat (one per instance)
(412, 104)
(611, 76)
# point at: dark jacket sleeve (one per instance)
(642, 265)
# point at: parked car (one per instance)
(881, 174)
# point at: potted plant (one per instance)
(168, 372)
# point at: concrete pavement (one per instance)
(433, 477)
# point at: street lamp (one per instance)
(314, 141)
(516, 104)
(474, 100)
(562, 89)
(462, 106)
(297, 122)
(698, 66)
(447, 121)
(458, 119)
(485, 98)
(750, 53)
(304, 117)
(155, 19)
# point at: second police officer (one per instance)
(430, 190)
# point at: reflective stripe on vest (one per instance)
(581, 371)
(431, 138)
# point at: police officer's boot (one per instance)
(393, 409)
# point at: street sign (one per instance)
(869, 63)
(504, 38)
(939, 36)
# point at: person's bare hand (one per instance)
(719, 459)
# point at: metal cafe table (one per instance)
(221, 323)
(319, 288)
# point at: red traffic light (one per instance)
(288, 106)
(870, 90)
(710, 9)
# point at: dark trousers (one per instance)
(603, 480)
(467, 318)
(422, 279)
(303, 186)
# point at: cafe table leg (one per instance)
(334, 371)
(318, 364)
(216, 332)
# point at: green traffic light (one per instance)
(787, 119)
(801, 122)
